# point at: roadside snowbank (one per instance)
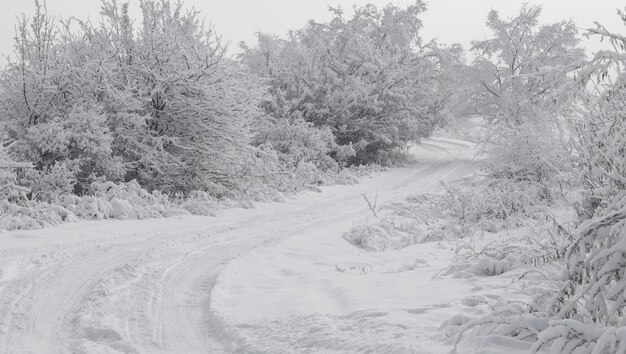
(129, 201)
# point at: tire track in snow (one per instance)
(149, 290)
(276, 328)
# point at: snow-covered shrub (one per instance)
(601, 147)
(295, 154)
(32, 215)
(385, 235)
(591, 308)
(292, 154)
(516, 77)
(68, 153)
(488, 204)
(368, 78)
(458, 211)
(121, 201)
(589, 312)
(395, 157)
(104, 102)
(526, 153)
(10, 188)
(507, 320)
(584, 311)
(540, 243)
(198, 100)
(199, 203)
(105, 200)
(81, 138)
(297, 141)
(52, 183)
(571, 336)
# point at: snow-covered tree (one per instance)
(172, 87)
(44, 107)
(369, 78)
(590, 311)
(158, 103)
(515, 74)
(586, 313)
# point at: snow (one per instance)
(276, 278)
(327, 293)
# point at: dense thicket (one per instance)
(552, 115)
(158, 103)
(157, 100)
(369, 79)
(589, 312)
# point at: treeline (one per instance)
(157, 101)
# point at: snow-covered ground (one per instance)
(277, 278)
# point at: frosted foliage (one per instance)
(586, 313)
(10, 189)
(522, 65)
(298, 142)
(158, 103)
(196, 103)
(592, 305)
(601, 136)
(515, 76)
(528, 153)
(595, 290)
(369, 78)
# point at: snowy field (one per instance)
(276, 278)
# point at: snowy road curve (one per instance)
(145, 286)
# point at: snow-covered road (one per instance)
(146, 286)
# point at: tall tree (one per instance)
(515, 74)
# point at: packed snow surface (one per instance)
(276, 278)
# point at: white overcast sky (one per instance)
(451, 21)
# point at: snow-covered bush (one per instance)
(105, 200)
(382, 236)
(368, 78)
(500, 201)
(157, 103)
(490, 204)
(589, 312)
(43, 117)
(53, 183)
(526, 153)
(515, 76)
(191, 95)
(32, 215)
(458, 211)
(199, 203)
(10, 188)
(298, 141)
(69, 152)
(580, 311)
(584, 311)
(590, 309)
